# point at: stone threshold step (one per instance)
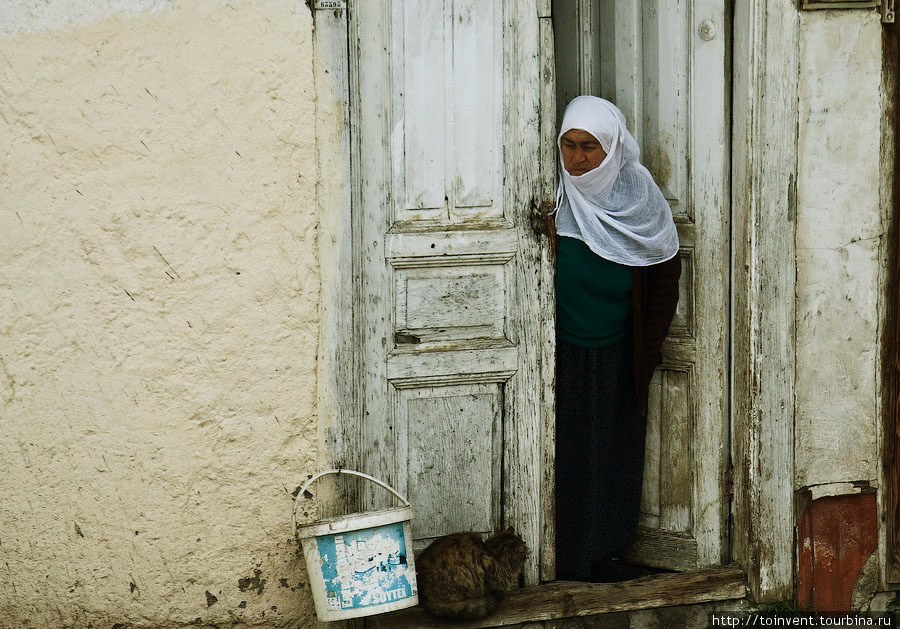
(566, 599)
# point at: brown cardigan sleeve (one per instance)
(655, 296)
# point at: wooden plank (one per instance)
(587, 25)
(701, 328)
(484, 365)
(764, 165)
(657, 548)
(476, 106)
(577, 23)
(621, 63)
(650, 492)
(630, 63)
(376, 100)
(543, 11)
(522, 471)
(676, 460)
(684, 323)
(469, 244)
(451, 438)
(424, 108)
(338, 366)
(680, 351)
(336, 409)
(548, 161)
(567, 599)
(700, 182)
(458, 302)
(667, 100)
(890, 198)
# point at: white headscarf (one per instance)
(616, 208)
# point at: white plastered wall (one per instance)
(839, 235)
(159, 289)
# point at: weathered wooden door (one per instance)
(663, 63)
(451, 314)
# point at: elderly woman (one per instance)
(616, 291)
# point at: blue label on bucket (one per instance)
(366, 567)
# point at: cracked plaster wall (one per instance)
(159, 287)
(839, 240)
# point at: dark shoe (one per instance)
(566, 576)
(614, 569)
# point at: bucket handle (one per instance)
(338, 472)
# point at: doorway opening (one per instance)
(669, 74)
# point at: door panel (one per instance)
(668, 76)
(446, 65)
(453, 466)
(449, 311)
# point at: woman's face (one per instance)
(581, 152)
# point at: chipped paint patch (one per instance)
(254, 583)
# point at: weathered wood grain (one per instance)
(559, 600)
(447, 101)
(676, 461)
(378, 29)
(764, 167)
(476, 122)
(622, 76)
(521, 139)
(543, 11)
(671, 92)
(337, 366)
(576, 25)
(337, 403)
(683, 323)
(441, 303)
(652, 452)
(452, 367)
(890, 398)
(662, 549)
(547, 305)
(709, 273)
(425, 74)
(452, 461)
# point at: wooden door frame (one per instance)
(765, 39)
(547, 561)
(890, 391)
(764, 198)
(338, 363)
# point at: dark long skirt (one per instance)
(599, 455)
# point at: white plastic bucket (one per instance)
(359, 564)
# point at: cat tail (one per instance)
(474, 608)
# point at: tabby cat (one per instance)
(464, 578)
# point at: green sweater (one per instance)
(593, 296)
